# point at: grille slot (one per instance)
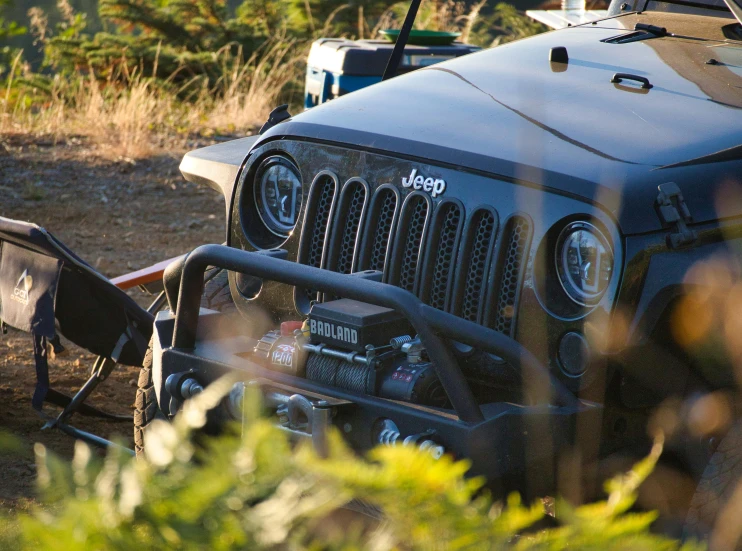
(317, 218)
(440, 254)
(382, 215)
(407, 251)
(515, 245)
(351, 208)
(476, 258)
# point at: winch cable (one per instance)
(399, 46)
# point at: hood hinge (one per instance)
(674, 214)
(279, 114)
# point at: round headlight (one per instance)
(278, 195)
(584, 262)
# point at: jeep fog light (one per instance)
(584, 262)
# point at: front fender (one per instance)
(218, 166)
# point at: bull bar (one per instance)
(433, 326)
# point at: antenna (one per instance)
(404, 35)
(733, 5)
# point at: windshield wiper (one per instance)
(404, 35)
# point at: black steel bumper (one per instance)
(515, 446)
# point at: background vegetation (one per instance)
(138, 75)
(255, 492)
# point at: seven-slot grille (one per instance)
(466, 263)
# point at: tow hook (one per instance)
(296, 413)
(318, 417)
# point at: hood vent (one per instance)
(641, 32)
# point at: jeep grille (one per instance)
(518, 240)
(345, 227)
(417, 244)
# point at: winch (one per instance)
(354, 325)
(358, 347)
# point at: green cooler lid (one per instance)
(422, 38)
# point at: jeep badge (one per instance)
(419, 182)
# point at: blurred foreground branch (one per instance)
(256, 491)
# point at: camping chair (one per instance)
(47, 290)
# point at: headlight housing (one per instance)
(278, 195)
(584, 262)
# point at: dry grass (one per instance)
(504, 25)
(436, 15)
(249, 91)
(146, 116)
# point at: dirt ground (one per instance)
(119, 215)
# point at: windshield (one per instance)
(718, 8)
(685, 6)
(708, 4)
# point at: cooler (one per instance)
(337, 66)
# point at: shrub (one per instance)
(165, 70)
(255, 492)
(8, 29)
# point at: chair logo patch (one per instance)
(22, 288)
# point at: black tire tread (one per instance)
(217, 297)
(145, 403)
(718, 482)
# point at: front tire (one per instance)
(714, 509)
(146, 409)
(216, 296)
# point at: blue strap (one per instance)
(42, 371)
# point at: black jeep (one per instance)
(480, 258)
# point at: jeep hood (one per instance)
(510, 112)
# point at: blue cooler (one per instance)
(337, 66)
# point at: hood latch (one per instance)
(674, 214)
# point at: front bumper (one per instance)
(513, 446)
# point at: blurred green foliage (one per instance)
(8, 30)
(183, 43)
(256, 491)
